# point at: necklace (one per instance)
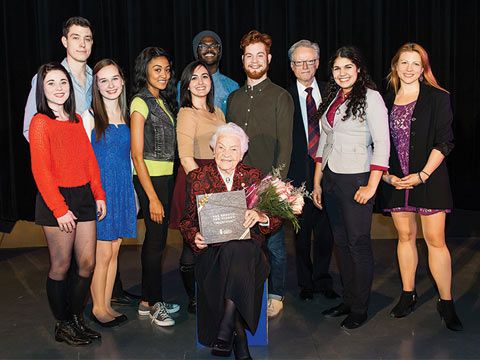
(228, 180)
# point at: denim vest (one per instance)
(159, 137)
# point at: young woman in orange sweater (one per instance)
(69, 200)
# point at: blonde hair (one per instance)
(428, 78)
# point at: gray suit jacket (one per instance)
(351, 146)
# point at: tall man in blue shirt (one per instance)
(207, 47)
(78, 40)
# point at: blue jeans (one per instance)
(277, 256)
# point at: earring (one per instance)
(421, 77)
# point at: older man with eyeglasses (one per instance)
(312, 269)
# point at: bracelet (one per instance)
(425, 173)
(420, 178)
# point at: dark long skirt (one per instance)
(235, 270)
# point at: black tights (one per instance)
(82, 243)
(231, 321)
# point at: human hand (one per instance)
(409, 181)
(317, 196)
(396, 182)
(254, 216)
(364, 193)
(200, 241)
(156, 211)
(67, 222)
(101, 209)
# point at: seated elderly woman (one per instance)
(230, 275)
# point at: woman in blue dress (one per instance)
(108, 123)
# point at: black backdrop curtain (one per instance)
(448, 29)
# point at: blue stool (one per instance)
(261, 336)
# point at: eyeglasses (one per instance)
(204, 47)
(299, 63)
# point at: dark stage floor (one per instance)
(299, 332)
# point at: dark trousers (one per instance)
(155, 237)
(351, 223)
(312, 269)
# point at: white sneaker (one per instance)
(171, 308)
(160, 316)
(274, 307)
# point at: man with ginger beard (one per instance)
(265, 111)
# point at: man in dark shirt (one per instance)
(312, 274)
(265, 111)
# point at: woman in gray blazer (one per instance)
(352, 155)
(417, 181)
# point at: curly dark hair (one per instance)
(141, 75)
(356, 100)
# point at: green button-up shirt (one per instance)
(265, 112)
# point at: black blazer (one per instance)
(302, 166)
(431, 128)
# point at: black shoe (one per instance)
(121, 318)
(192, 305)
(446, 309)
(306, 294)
(405, 305)
(337, 311)
(354, 320)
(66, 331)
(330, 294)
(222, 348)
(240, 348)
(126, 299)
(107, 324)
(79, 323)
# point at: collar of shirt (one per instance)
(339, 100)
(259, 87)
(83, 95)
(315, 92)
(228, 184)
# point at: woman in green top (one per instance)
(153, 139)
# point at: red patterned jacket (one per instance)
(207, 179)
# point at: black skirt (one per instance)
(235, 270)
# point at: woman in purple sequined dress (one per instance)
(420, 119)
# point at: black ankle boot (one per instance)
(79, 323)
(446, 309)
(222, 347)
(188, 277)
(66, 331)
(405, 305)
(240, 347)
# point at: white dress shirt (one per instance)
(302, 97)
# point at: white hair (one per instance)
(231, 129)
(303, 43)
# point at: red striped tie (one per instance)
(313, 129)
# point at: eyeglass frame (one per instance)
(300, 63)
(204, 47)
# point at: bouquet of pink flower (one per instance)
(277, 197)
